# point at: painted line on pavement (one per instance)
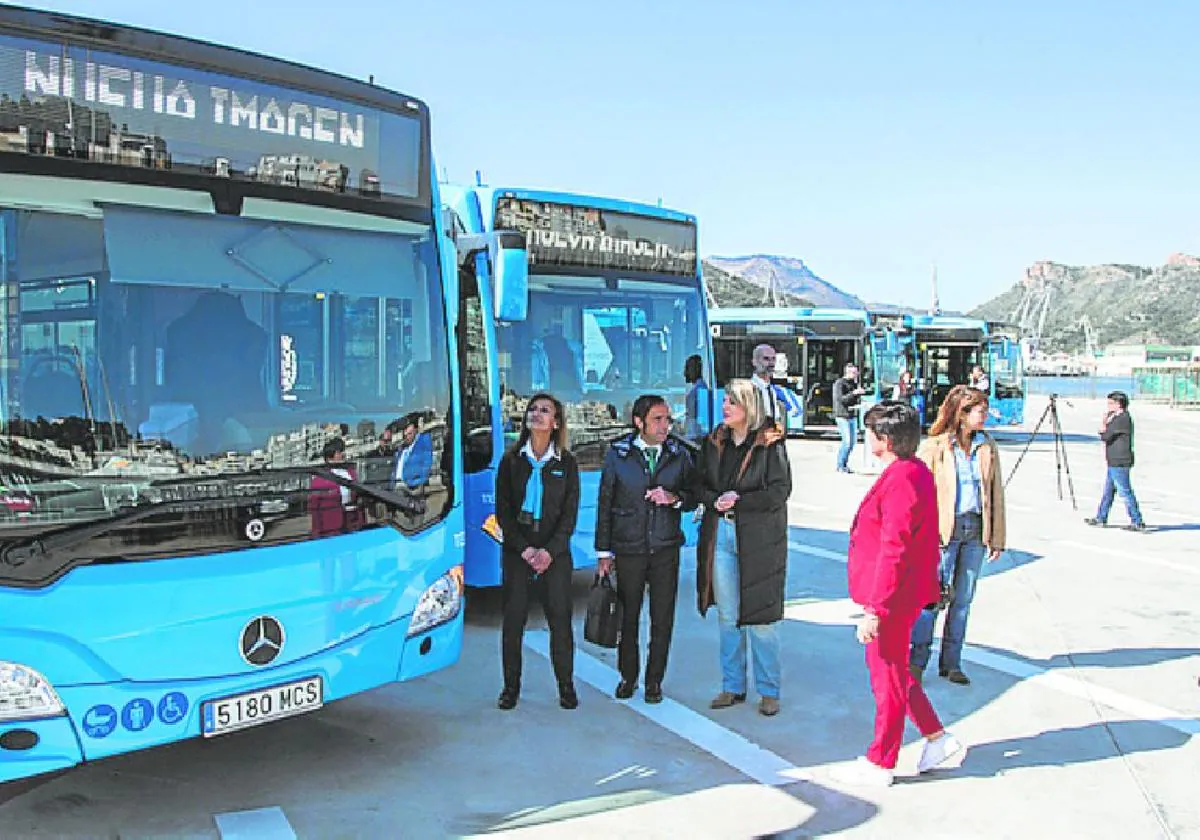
(824, 553)
(259, 824)
(1128, 555)
(725, 745)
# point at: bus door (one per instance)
(887, 359)
(733, 356)
(825, 360)
(483, 426)
(941, 365)
(1007, 376)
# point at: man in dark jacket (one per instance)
(645, 486)
(846, 396)
(1116, 430)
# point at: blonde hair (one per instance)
(742, 392)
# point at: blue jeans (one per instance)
(962, 563)
(848, 431)
(1117, 481)
(763, 639)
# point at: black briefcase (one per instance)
(603, 623)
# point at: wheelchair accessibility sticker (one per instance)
(172, 708)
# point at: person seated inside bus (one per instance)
(332, 507)
(215, 360)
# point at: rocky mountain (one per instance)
(788, 274)
(731, 290)
(1121, 303)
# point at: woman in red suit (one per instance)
(893, 565)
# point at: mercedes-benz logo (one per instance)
(262, 640)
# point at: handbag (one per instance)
(602, 626)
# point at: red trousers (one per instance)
(897, 694)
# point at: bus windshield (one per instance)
(597, 344)
(148, 349)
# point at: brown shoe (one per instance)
(768, 706)
(726, 699)
(918, 673)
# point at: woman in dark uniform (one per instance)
(537, 502)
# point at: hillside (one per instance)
(792, 277)
(730, 290)
(1124, 303)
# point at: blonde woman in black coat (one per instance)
(741, 561)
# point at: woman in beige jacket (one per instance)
(970, 488)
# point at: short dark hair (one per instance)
(332, 447)
(693, 368)
(1121, 398)
(642, 406)
(898, 422)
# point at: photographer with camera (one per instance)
(1116, 430)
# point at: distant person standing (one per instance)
(906, 388)
(762, 379)
(847, 394)
(979, 380)
(1116, 430)
(698, 401)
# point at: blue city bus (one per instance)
(947, 347)
(228, 392)
(1006, 371)
(813, 347)
(611, 307)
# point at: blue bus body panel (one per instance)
(115, 637)
(482, 564)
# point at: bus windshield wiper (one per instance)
(21, 559)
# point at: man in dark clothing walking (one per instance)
(1116, 430)
(846, 396)
(645, 485)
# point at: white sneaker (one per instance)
(935, 753)
(862, 773)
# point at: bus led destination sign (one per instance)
(67, 101)
(567, 235)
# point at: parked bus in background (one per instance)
(208, 381)
(1006, 369)
(812, 348)
(612, 307)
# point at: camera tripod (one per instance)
(1060, 450)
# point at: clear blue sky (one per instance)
(870, 138)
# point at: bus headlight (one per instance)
(439, 603)
(26, 694)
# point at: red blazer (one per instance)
(894, 544)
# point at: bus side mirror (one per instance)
(510, 275)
